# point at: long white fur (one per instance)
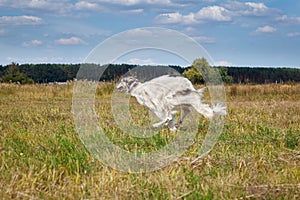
(164, 94)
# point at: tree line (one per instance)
(261, 75)
(46, 73)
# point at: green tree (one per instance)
(193, 73)
(224, 74)
(12, 74)
(202, 71)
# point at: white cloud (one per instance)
(173, 18)
(214, 13)
(32, 43)
(130, 6)
(38, 4)
(257, 6)
(70, 41)
(256, 9)
(190, 30)
(36, 42)
(51, 7)
(138, 32)
(44, 59)
(21, 20)
(138, 61)
(210, 13)
(226, 12)
(249, 9)
(192, 2)
(209, 1)
(169, 18)
(295, 34)
(87, 4)
(133, 11)
(204, 39)
(109, 6)
(136, 2)
(288, 20)
(223, 63)
(83, 5)
(265, 29)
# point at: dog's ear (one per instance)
(131, 79)
(132, 73)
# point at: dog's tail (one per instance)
(201, 91)
(219, 110)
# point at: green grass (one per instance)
(256, 157)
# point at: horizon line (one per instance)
(76, 63)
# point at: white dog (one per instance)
(164, 94)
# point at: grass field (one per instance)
(256, 157)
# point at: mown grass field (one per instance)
(256, 157)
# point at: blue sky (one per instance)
(238, 33)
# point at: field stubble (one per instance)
(257, 156)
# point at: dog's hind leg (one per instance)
(163, 117)
(193, 98)
(172, 123)
(185, 111)
(167, 118)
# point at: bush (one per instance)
(12, 74)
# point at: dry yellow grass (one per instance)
(257, 156)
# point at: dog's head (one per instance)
(126, 84)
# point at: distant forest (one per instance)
(46, 73)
